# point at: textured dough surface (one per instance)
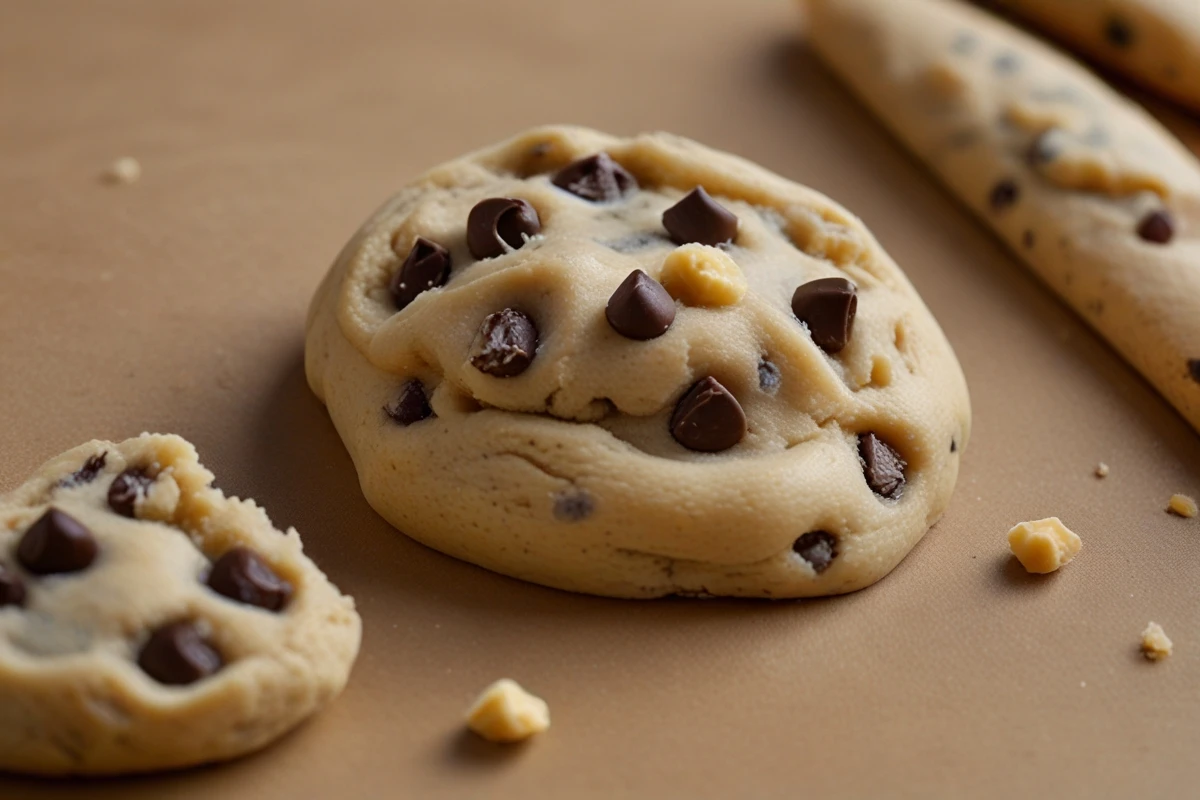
(567, 474)
(73, 699)
(973, 97)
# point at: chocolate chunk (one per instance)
(596, 178)
(882, 466)
(178, 654)
(125, 490)
(1194, 369)
(699, 218)
(573, 505)
(1157, 227)
(769, 376)
(498, 224)
(243, 575)
(818, 548)
(506, 344)
(57, 543)
(640, 308)
(87, 473)
(708, 418)
(12, 588)
(1118, 32)
(953, 445)
(827, 306)
(1004, 195)
(426, 266)
(411, 405)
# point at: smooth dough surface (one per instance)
(1073, 177)
(567, 474)
(73, 699)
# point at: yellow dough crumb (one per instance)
(1102, 470)
(699, 275)
(1155, 644)
(1182, 505)
(124, 170)
(1043, 545)
(507, 713)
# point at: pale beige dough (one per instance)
(1156, 645)
(1183, 506)
(1044, 545)
(73, 699)
(505, 712)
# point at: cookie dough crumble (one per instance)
(505, 712)
(124, 170)
(1183, 506)
(1155, 644)
(1101, 470)
(1044, 545)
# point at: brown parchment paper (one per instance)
(268, 130)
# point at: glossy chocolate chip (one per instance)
(769, 376)
(699, 218)
(87, 473)
(125, 490)
(426, 266)
(640, 308)
(1194, 369)
(57, 543)
(243, 575)
(499, 224)
(12, 588)
(818, 548)
(410, 405)
(1004, 195)
(178, 654)
(1157, 227)
(827, 306)
(1118, 32)
(596, 178)
(506, 344)
(882, 466)
(708, 418)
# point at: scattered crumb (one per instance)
(124, 170)
(1155, 644)
(507, 713)
(1102, 470)
(1043, 545)
(1182, 505)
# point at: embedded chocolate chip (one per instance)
(953, 445)
(769, 376)
(506, 344)
(426, 266)
(498, 224)
(243, 575)
(635, 242)
(1157, 227)
(573, 505)
(178, 654)
(57, 543)
(125, 490)
(596, 178)
(827, 306)
(1004, 195)
(708, 418)
(818, 548)
(1118, 32)
(698, 218)
(640, 308)
(12, 588)
(882, 466)
(87, 473)
(1194, 369)
(411, 405)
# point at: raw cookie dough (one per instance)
(543, 407)
(1096, 196)
(1156, 645)
(148, 622)
(1044, 545)
(505, 712)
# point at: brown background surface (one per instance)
(269, 130)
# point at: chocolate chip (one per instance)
(769, 376)
(506, 344)
(125, 490)
(818, 548)
(57, 543)
(596, 178)
(708, 418)
(87, 473)
(243, 575)
(573, 505)
(827, 306)
(12, 588)
(1118, 32)
(635, 242)
(498, 224)
(699, 218)
(1004, 195)
(1194, 369)
(953, 445)
(426, 266)
(640, 308)
(178, 654)
(1157, 227)
(411, 405)
(882, 466)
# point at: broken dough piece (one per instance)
(1044, 545)
(1182, 505)
(1155, 644)
(505, 712)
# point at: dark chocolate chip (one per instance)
(498, 224)
(506, 344)
(178, 654)
(1194, 369)
(243, 575)
(57, 543)
(1157, 227)
(87, 473)
(426, 266)
(640, 308)
(1004, 195)
(699, 218)
(882, 466)
(769, 376)
(827, 306)
(12, 588)
(1028, 239)
(573, 505)
(953, 445)
(1118, 32)
(708, 418)
(596, 178)
(1006, 63)
(125, 490)
(635, 242)
(411, 404)
(818, 548)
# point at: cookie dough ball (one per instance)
(638, 367)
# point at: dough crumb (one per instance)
(124, 170)
(505, 712)
(1044, 545)
(1182, 505)
(699, 275)
(1155, 644)
(1102, 470)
